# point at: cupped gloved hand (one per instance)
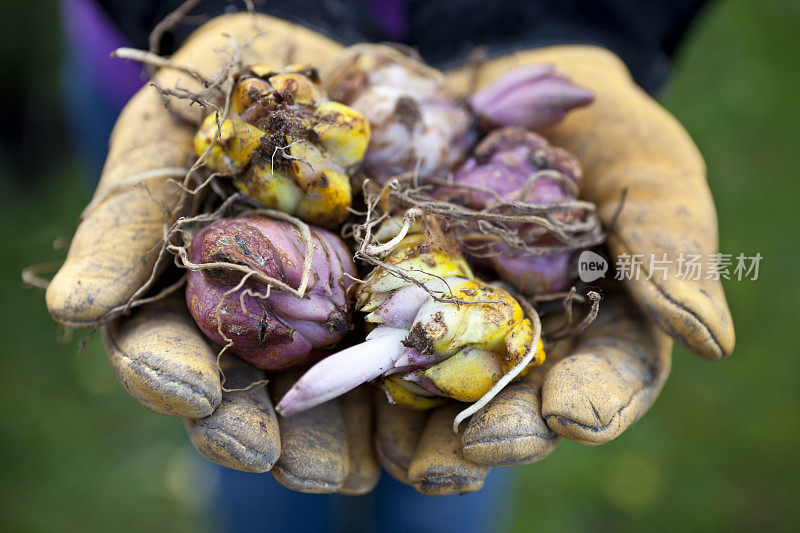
(594, 387)
(156, 351)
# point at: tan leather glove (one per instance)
(593, 390)
(157, 352)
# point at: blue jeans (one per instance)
(256, 502)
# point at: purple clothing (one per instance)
(92, 37)
(392, 17)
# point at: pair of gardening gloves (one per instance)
(590, 389)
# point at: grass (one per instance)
(717, 451)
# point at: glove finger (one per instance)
(314, 455)
(510, 430)
(439, 467)
(397, 434)
(668, 212)
(242, 433)
(625, 139)
(364, 471)
(163, 361)
(614, 375)
(116, 245)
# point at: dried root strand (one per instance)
(182, 258)
(154, 60)
(33, 276)
(229, 341)
(388, 246)
(371, 253)
(481, 231)
(166, 24)
(570, 328)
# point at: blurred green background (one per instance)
(718, 451)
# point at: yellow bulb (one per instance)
(401, 395)
(262, 70)
(307, 163)
(343, 132)
(518, 342)
(482, 334)
(327, 199)
(482, 316)
(274, 189)
(232, 149)
(247, 92)
(467, 375)
(302, 90)
(311, 144)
